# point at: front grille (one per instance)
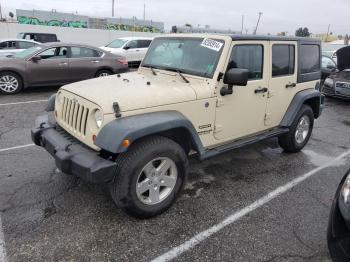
(74, 115)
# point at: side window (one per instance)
(10, 45)
(144, 43)
(54, 53)
(283, 60)
(132, 44)
(328, 63)
(309, 59)
(3, 45)
(24, 45)
(248, 57)
(80, 52)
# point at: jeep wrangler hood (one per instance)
(133, 91)
(343, 57)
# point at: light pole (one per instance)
(112, 8)
(257, 24)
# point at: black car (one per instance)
(338, 83)
(328, 67)
(338, 233)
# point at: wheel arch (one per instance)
(310, 97)
(104, 68)
(171, 124)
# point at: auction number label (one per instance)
(212, 44)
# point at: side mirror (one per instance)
(36, 58)
(236, 76)
(331, 66)
(126, 47)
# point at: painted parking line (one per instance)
(15, 147)
(24, 102)
(2, 244)
(197, 239)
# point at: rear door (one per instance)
(83, 63)
(51, 69)
(142, 48)
(283, 80)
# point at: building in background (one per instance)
(206, 29)
(54, 18)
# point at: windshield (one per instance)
(118, 43)
(196, 56)
(27, 52)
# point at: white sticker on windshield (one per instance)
(211, 44)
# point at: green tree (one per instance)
(302, 32)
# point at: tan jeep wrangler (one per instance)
(193, 94)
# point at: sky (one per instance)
(278, 15)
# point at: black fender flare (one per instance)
(51, 103)
(303, 97)
(112, 135)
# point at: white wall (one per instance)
(94, 37)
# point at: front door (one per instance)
(242, 113)
(52, 68)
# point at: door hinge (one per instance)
(219, 102)
(269, 94)
(218, 128)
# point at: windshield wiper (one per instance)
(152, 69)
(177, 71)
(182, 76)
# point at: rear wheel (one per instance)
(150, 177)
(103, 73)
(300, 131)
(10, 83)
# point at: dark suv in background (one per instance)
(39, 37)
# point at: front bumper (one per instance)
(70, 155)
(336, 91)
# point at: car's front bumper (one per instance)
(336, 91)
(71, 156)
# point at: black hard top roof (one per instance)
(274, 38)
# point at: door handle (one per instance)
(261, 90)
(291, 85)
(95, 61)
(63, 63)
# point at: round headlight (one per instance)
(345, 191)
(329, 82)
(98, 118)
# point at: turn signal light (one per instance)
(93, 138)
(126, 143)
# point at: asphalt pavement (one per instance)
(50, 216)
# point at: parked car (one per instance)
(338, 233)
(56, 64)
(133, 48)
(11, 46)
(328, 66)
(338, 83)
(200, 93)
(39, 37)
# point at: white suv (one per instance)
(133, 48)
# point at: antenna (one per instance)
(257, 24)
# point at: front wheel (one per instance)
(300, 131)
(149, 177)
(10, 83)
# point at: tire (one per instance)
(137, 176)
(10, 83)
(299, 133)
(103, 73)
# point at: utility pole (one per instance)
(329, 26)
(112, 8)
(0, 12)
(257, 24)
(242, 24)
(144, 12)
